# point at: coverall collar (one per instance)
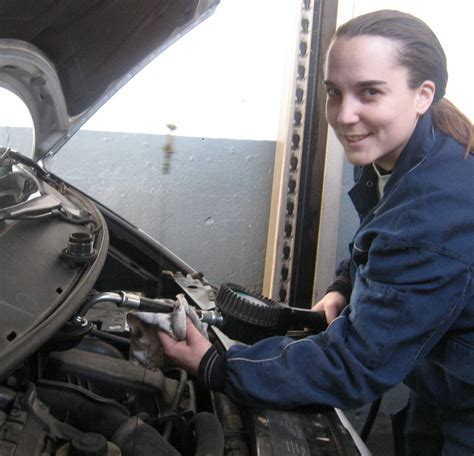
(364, 193)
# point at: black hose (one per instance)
(81, 408)
(136, 438)
(101, 347)
(203, 436)
(183, 379)
(369, 421)
(110, 337)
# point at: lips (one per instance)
(352, 139)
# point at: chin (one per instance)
(356, 160)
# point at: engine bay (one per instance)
(70, 387)
(71, 272)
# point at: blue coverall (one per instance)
(411, 311)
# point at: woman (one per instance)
(402, 307)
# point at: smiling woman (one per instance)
(367, 89)
(402, 305)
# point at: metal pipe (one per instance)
(123, 299)
(79, 318)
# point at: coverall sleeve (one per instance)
(403, 301)
(342, 283)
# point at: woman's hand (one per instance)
(186, 353)
(331, 304)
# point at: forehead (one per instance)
(362, 58)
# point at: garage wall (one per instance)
(221, 86)
(211, 209)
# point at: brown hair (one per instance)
(422, 54)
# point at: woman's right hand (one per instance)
(331, 304)
(185, 353)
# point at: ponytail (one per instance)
(451, 121)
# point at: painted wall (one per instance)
(211, 208)
(220, 85)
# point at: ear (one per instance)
(425, 96)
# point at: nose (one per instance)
(348, 112)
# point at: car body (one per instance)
(72, 268)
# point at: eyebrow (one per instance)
(369, 83)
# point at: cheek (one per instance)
(391, 119)
(403, 125)
(330, 112)
(407, 106)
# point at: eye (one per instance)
(370, 92)
(333, 92)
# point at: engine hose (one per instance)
(81, 408)
(203, 436)
(109, 337)
(183, 379)
(100, 347)
(136, 438)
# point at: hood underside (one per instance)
(91, 48)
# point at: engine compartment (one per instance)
(69, 385)
(68, 388)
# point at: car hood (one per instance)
(65, 59)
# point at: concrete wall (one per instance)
(211, 209)
(20, 139)
(222, 80)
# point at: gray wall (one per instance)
(211, 209)
(20, 139)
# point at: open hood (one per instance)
(65, 59)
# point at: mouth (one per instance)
(354, 139)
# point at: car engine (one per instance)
(71, 272)
(70, 388)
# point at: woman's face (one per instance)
(369, 104)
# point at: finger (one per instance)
(331, 314)
(318, 306)
(193, 335)
(166, 340)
